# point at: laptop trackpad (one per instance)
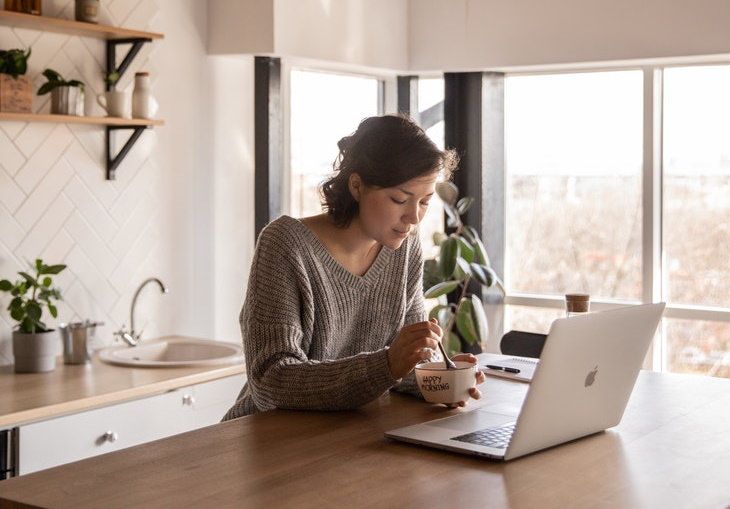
(473, 420)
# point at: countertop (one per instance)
(27, 397)
(670, 450)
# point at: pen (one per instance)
(504, 368)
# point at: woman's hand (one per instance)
(481, 377)
(415, 342)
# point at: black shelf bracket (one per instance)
(112, 162)
(111, 55)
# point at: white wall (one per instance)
(155, 219)
(372, 33)
(457, 35)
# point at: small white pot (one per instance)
(67, 101)
(35, 353)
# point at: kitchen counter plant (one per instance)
(34, 344)
(461, 262)
(16, 93)
(67, 96)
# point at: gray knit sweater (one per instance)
(315, 336)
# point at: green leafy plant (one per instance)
(56, 80)
(30, 294)
(14, 62)
(462, 259)
(111, 78)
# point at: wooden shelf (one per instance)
(65, 26)
(73, 119)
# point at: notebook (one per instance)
(508, 366)
(581, 386)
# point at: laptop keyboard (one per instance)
(497, 436)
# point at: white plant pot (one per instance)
(35, 353)
(67, 101)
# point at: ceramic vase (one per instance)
(35, 353)
(67, 101)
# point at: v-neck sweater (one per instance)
(316, 336)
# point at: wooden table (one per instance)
(672, 449)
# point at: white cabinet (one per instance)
(68, 438)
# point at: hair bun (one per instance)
(344, 143)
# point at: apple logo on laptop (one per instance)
(591, 377)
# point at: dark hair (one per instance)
(385, 151)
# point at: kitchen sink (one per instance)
(173, 351)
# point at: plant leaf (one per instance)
(447, 257)
(47, 281)
(452, 217)
(448, 192)
(464, 204)
(441, 289)
(481, 252)
(462, 270)
(431, 274)
(47, 87)
(465, 321)
(452, 345)
(30, 279)
(33, 310)
(52, 309)
(434, 313)
(439, 238)
(53, 269)
(480, 318)
(483, 274)
(5, 285)
(466, 251)
(17, 314)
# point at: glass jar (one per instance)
(87, 10)
(577, 304)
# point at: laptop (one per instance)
(581, 386)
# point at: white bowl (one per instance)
(441, 385)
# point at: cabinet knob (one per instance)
(110, 436)
(188, 399)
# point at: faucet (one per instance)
(131, 337)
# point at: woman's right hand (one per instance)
(415, 342)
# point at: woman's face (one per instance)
(389, 214)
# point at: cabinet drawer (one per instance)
(73, 437)
(213, 399)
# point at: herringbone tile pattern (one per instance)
(54, 200)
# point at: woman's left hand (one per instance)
(473, 392)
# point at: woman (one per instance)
(334, 313)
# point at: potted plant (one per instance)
(67, 96)
(34, 344)
(15, 86)
(462, 262)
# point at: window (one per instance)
(431, 115)
(574, 147)
(338, 103)
(696, 214)
(573, 157)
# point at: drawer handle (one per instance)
(187, 399)
(110, 436)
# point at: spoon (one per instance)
(448, 362)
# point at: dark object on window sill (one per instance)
(523, 344)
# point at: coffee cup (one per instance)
(440, 385)
(114, 103)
